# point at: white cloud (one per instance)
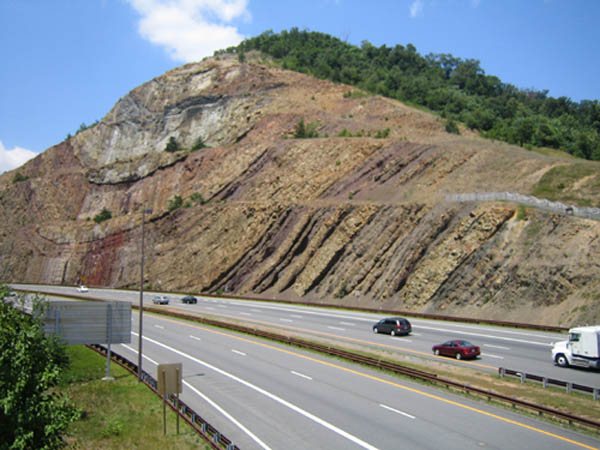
(190, 29)
(16, 157)
(416, 8)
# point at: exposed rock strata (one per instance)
(356, 221)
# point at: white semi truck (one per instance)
(581, 350)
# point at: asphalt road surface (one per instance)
(517, 349)
(265, 395)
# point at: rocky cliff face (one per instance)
(360, 220)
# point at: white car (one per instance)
(82, 288)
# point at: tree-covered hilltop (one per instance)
(458, 89)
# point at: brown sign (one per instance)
(169, 379)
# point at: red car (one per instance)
(457, 349)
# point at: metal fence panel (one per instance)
(557, 207)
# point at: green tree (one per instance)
(306, 131)
(103, 215)
(175, 202)
(300, 129)
(172, 145)
(452, 127)
(30, 362)
(198, 144)
(524, 129)
(19, 177)
(197, 197)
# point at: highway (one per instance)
(265, 395)
(522, 350)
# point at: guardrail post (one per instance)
(545, 382)
(569, 387)
(523, 377)
(203, 427)
(502, 371)
(216, 438)
(595, 393)
(230, 446)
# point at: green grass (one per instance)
(577, 184)
(122, 414)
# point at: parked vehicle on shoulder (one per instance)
(190, 299)
(82, 288)
(457, 349)
(581, 350)
(160, 300)
(393, 325)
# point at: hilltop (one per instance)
(244, 202)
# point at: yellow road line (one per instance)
(392, 383)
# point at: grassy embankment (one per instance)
(119, 414)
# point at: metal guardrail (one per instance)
(398, 368)
(429, 316)
(569, 387)
(557, 207)
(395, 367)
(210, 434)
(395, 312)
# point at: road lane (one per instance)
(523, 350)
(349, 398)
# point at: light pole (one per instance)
(141, 307)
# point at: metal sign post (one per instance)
(108, 341)
(169, 382)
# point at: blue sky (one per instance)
(67, 62)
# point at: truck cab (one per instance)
(582, 349)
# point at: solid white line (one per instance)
(337, 328)
(214, 405)
(268, 394)
(496, 346)
(229, 416)
(397, 411)
(492, 356)
(301, 375)
(238, 352)
(368, 319)
(195, 337)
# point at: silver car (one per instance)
(160, 300)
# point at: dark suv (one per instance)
(190, 299)
(393, 325)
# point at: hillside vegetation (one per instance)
(455, 88)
